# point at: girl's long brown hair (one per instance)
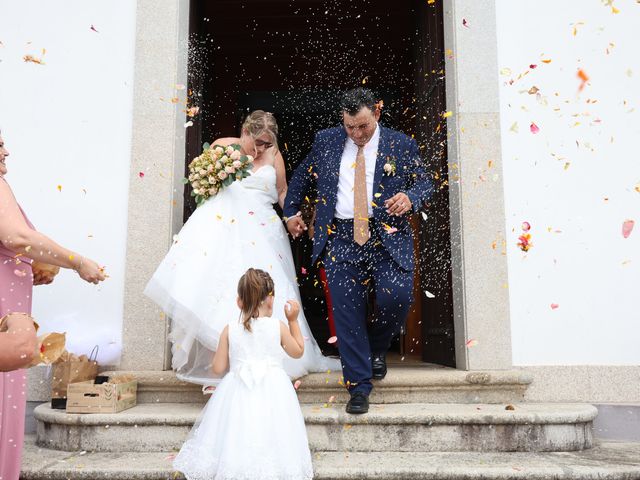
(253, 288)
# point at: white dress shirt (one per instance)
(344, 205)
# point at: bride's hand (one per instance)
(296, 225)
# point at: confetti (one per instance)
(332, 340)
(554, 306)
(465, 23)
(524, 242)
(141, 174)
(627, 227)
(534, 128)
(193, 111)
(303, 271)
(429, 294)
(93, 29)
(471, 343)
(59, 187)
(583, 79)
(188, 124)
(32, 59)
(526, 226)
(297, 384)
(447, 114)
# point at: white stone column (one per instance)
(481, 295)
(158, 150)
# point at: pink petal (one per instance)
(333, 339)
(554, 306)
(297, 384)
(627, 226)
(534, 128)
(526, 226)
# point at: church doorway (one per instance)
(294, 58)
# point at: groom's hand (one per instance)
(296, 225)
(398, 205)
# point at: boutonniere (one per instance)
(390, 167)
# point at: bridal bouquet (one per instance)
(215, 168)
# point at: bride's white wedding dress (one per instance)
(195, 285)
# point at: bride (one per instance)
(232, 231)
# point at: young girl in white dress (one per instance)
(252, 427)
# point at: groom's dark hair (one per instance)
(353, 100)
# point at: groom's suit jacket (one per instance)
(321, 169)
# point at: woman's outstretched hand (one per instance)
(90, 271)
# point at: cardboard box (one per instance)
(87, 397)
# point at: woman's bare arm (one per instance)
(281, 178)
(17, 236)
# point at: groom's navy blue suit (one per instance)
(386, 259)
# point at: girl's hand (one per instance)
(90, 271)
(291, 310)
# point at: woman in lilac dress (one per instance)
(26, 257)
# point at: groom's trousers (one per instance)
(351, 270)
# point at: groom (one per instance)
(369, 179)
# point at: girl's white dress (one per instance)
(252, 428)
(196, 282)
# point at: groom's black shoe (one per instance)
(379, 366)
(359, 403)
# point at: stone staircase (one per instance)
(424, 422)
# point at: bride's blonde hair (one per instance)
(259, 122)
(254, 287)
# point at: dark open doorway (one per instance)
(294, 58)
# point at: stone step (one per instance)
(421, 383)
(387, 427)
(607, 461)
